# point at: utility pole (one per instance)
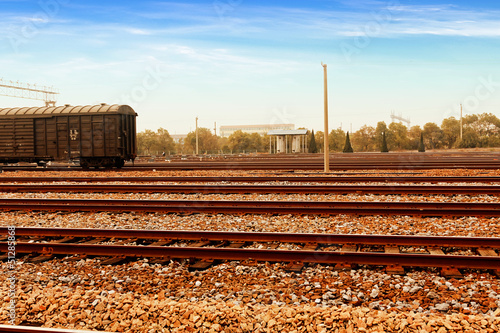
(327, 153)
(196, 132)
(461, 122)
(215, 128)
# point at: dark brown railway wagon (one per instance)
(99, 135)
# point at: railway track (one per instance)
(243, 189)
(336, 178)
(211, 246)
(357, 161)
(162, 166)
(28, 329)
(427, 209)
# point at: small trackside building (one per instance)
(288, 141)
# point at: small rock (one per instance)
(442, 306)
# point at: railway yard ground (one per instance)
(85, 290)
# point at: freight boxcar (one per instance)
(96, 135)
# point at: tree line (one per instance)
(157, 143)
(478, 130)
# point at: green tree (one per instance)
(470, 139)
(398, 136)
(266, 144)
(364, 139)
(383, 146)
(414, 137)
(433, 135)
(164, 142)
(207, 142)
(450, 128)
(336, 140)
(381, 128)
(313, 148)
(486, 127)
(320, 140)
(421, 146)
(347, 146)
(239, 142)
(255, 143)
(145, 142)
(223, 144)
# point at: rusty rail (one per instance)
(443, 241)
(28, 329)
(256, 207)
(323, 257)
(392, 161)
(334, 178)
(240, 189)
(488, 258)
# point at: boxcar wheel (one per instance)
(119, 163)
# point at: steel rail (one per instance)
(241, 189)
(335, 178)
(256, 207)
(398, 240)
(314, 164)
(29, 329)
(311, 166)
(323, 257)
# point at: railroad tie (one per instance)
(202, 263)
(296, 267)
(206, 263)
(489, 252)
(47, 255)
(342, 266)
(393, 269)
(92, 241)
(160, 260)
(449, 272)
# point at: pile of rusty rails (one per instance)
(209, 246)
(355, 161)
(322, 208)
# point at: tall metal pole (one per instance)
(327, 152)
(196, 132)
(461, 122)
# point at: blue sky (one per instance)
(258, 62)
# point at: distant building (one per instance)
(226, 131)
(178, 137)
(288, 141)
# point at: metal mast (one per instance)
(28, 91)
(400, 118)
(326, 148)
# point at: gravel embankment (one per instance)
(141, 296)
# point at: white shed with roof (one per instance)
(288, 141)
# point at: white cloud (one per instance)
(136, 31)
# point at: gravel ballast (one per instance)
(140, 296)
